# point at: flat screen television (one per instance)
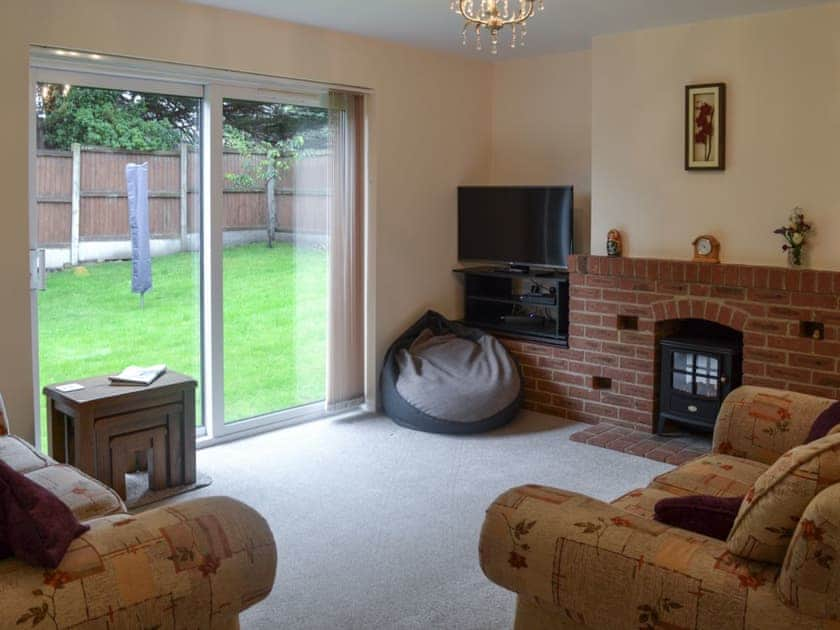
(518, 226)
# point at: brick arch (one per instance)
(701, 308)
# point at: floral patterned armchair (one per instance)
(196, 564)
(576, 562)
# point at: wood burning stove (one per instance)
(697, 374)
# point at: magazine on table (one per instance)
(136, 375)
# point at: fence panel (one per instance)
(54, 175)
(103, 170)
(54, 186)
(54, 223)
(302, 195)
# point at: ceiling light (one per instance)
(494, 15)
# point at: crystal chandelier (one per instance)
(494, 15)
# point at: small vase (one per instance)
(795, 255)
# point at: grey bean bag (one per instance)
(442, 377)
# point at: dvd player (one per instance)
(538, 298)
(524, 320)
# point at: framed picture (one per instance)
(705, 133)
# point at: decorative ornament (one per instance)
(614, 243)
(706, 249)
(795, 234)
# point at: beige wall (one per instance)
(429, 131)
(783, 76)
(542, 127)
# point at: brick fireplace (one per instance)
(621, 308)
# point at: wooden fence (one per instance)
(81, 196)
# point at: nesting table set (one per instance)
(109, 430)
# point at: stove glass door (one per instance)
(696, 374)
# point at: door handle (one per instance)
(38, 269)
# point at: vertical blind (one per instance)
(345, 336)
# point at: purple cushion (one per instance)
(824, 423)
(35, 526)
(707, 515)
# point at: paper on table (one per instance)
(137, 375)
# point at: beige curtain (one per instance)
(345, 339)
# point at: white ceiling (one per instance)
(565, 25)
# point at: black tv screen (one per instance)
(516, 225)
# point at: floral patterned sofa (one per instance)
(576, 562)
(197, 564)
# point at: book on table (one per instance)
(136, 375)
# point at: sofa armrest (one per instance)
(604, 568)
(810, 577)
(763, 424)
(196, 564)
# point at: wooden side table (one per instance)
(83, 425)
(124, 449)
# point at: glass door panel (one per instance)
(93, 318)
(707, 387)
(683, 361)
(697, 374)
(683, 382)
(276, 194)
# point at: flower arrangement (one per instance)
(795, 235)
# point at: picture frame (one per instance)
(705, 127)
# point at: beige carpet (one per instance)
(377, 526)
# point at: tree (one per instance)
(109, 118)
(137, 121)
(278, 122)
(270, 137)
(265, 161)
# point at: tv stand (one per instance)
(521, 304)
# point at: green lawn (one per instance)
(274, 320)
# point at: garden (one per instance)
(274, 323)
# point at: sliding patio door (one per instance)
(277, 191)
(92, 314)
(251, 207)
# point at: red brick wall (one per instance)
(766, 303)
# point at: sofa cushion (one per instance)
(827, 422)
(642, 502)
(715, 474)
(703, 514)
(85, 496)
(763, 424)
(777, 499)
(35, 526)
(21, 456)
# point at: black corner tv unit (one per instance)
(532, 305)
